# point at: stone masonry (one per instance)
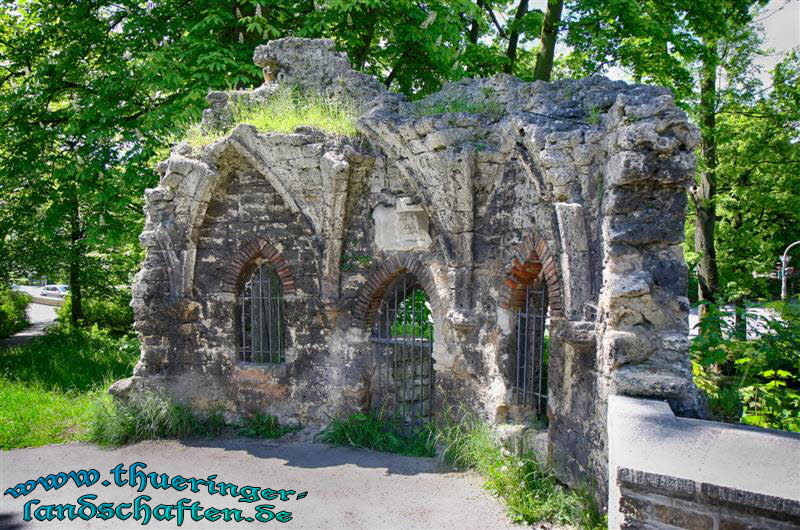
(581, 184)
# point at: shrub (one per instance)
(374, 430)
(529, 490)
(113, 313)
(69, 358)
(264, 426)
(755, 381)
(13, 315)
(148, 417)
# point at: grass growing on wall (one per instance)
(283, 112)
(264, 426)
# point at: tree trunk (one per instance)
(75, 258)
(547, 45)
(704, 194)
(513, 37)
(740, 319)
(474, 30)
(366, 42)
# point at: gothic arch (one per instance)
(369, 299)
(532, 257)
(245, 261)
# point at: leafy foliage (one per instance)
(112, 312)
(754, 381)
(13, 315)
(413, 317)
(375, 430)
(530, 491)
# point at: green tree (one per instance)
(88, 92)
(686, 46)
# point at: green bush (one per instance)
(13, 315)
(69, 358)
(264, 426)
(113, 313)
(375, 430)
(529, 490)
(148, 417)
(757, 381)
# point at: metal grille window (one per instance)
(402, 340)
(529, 361)
(259, 317)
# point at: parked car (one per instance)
(58, 291)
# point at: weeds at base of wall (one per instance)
(529, 490)
(375, 430)
(148, 417)
(265, 426)
(153, 417)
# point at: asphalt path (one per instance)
(345, 487)
(40, 316)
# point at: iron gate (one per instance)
(530, 362)
(260, 318)
(402, 340)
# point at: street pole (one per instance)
(784, 263)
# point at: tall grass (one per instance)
(375, 430)
(148, 417)
(32, 415)
(69, 358)
(529, 490)
(284, 111)
(264, 426)
(47, 386)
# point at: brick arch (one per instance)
(371, 295)
(245, 262)
(533, 257)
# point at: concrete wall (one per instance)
(668, 472)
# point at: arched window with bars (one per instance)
(259, 318)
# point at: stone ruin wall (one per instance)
(583, 179)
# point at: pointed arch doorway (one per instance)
(402, 339)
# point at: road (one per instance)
(347, 488)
